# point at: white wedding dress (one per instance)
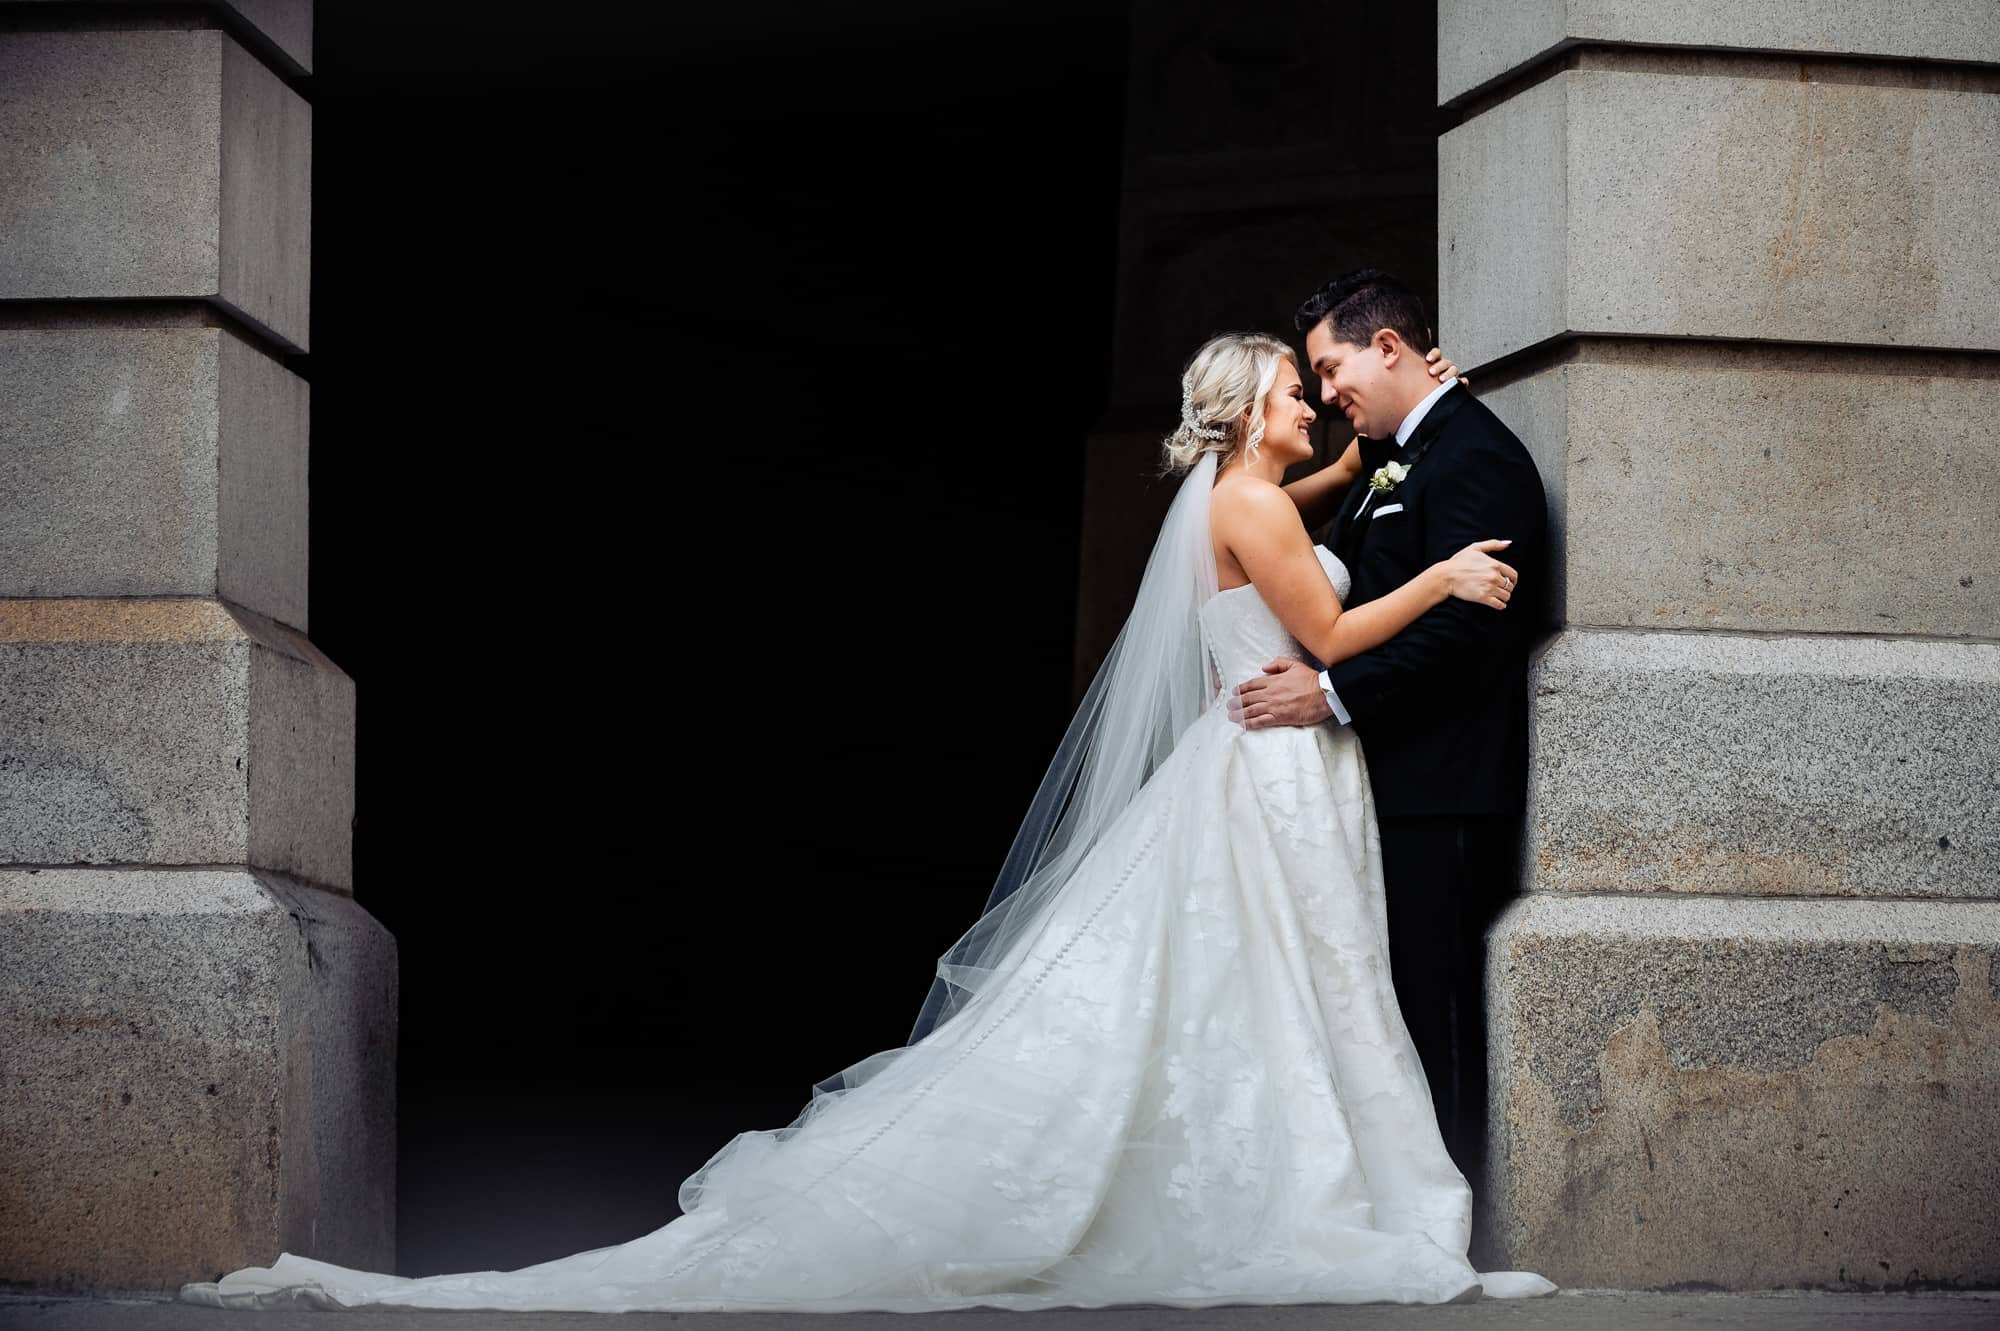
(1191, 1087)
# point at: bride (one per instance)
(1166, 1065)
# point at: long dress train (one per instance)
(1190, 1087)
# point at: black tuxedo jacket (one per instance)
(1442, 708)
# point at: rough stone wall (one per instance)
(197, 1023)
(1733, 272)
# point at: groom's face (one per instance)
(1355, 379)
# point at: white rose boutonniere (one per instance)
(1388, 476)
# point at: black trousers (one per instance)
(1446, 879)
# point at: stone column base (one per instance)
(1745, 1094)
(199, 1068)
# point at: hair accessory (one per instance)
(1189, 423)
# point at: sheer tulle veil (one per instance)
(1155, 682)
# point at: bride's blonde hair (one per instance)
(1228, 374)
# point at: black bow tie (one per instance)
(1426, 432)
(1375, 452)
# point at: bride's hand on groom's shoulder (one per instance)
(1286, 694)
(1440, 368)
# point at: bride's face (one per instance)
(1288, 417)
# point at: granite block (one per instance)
(1794, 766)
(1483, 41)
(1705, 203)
(200, 1067)
(1745, 1094)
(163, 461)
(156, 163)
(172, 732)
(1785, 489)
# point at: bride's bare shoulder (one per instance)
(1251, 502)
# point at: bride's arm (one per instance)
(1317, 495)
(1262, 530)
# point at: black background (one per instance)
(699, 397)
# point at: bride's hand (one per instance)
(1474, 575)
(1441, 369)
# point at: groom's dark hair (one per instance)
(1355, 305)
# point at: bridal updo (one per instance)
(1230, 374)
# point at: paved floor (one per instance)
(1567, 1311)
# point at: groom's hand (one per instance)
(1286, 694)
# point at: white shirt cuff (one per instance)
(1332, 698)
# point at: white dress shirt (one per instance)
(1403, 433)
(1421, 410)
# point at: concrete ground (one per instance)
(1579, 1310)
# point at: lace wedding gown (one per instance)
(1192, 1087)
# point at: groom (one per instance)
(1441, 708)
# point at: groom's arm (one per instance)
(1492, 493)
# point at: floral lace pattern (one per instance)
(1190, 1085)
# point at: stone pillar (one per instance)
(1733, 272)
(197, 1023)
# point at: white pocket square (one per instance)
(1385, 512)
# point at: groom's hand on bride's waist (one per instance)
(1286, 694)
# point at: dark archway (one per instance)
(703, 412)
